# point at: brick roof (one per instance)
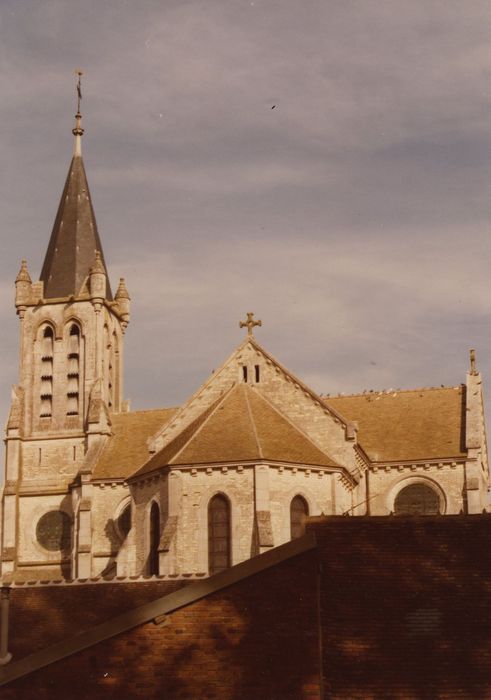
(127, 447)
(241, 426)
(407, 425)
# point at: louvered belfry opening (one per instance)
(153, 558)
(73, 372)
(46, 390)
(219, 540)
(299, 510)
(417, 499)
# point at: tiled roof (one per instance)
(241, 426)
(74, 239)
(127, 447)
(407, 425)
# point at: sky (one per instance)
(324, 163)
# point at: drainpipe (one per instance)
(5, 655)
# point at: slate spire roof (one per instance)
(74, 239)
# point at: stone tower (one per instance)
(71, 377)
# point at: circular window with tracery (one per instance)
(417, 499)
(53, 531)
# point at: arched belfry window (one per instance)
(46, 387)
(417, 499)
(73, 372)
(153, 557)
(219, 539)
(299, 510)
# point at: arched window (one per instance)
(153, 558)
(46, 388)
(73, 372)
(417, 499)
(219, 539)
(299, 510)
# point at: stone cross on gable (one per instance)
(250, 323)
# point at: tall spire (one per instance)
(74, 239)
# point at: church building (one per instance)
(92, 489)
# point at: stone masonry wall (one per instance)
(447, 480)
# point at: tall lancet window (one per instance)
(219, 540)
(46, 389)
(153, 557)
(73, 372)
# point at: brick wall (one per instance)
(406, 607)
(237, 643)
(43, 615)
(403, 609)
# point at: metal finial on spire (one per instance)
(472, 354)
(79, 88)
(77, 131)
(250, 323)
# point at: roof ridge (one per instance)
(214, 408)
(390, 392)
(253, 423)
(296, 427)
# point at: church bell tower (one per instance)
(71, 379)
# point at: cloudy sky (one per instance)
(324, 163)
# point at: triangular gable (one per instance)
(250, 363)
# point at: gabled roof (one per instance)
(74, 239)
(127, 447)
(204, 395)
(242, 425)
(407, 425)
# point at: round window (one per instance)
(53, 531)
